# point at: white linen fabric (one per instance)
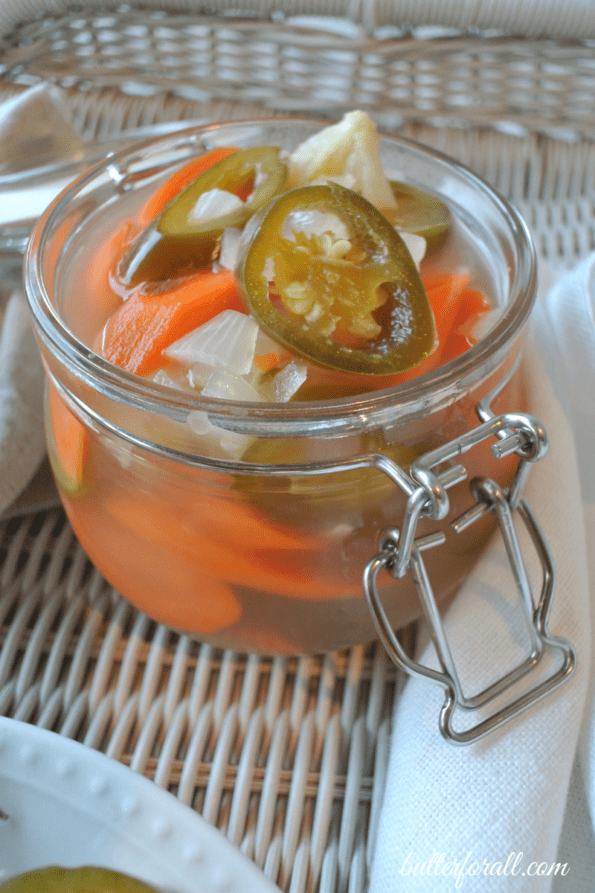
(513, 812)
(34, 129)
(22, 443)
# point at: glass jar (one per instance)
(256, 537)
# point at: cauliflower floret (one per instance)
(347, 153)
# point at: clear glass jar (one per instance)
(265, 551)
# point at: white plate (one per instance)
(66, 804)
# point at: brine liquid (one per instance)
(253, 563)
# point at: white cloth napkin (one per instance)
(34, 129)
(22, 444)
(510, 813)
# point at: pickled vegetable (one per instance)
(350, 299)
(330, 270)
(136, 335)
(87, 879)
(418, 212)
(348, 153)
(68, 445)
(186, 234)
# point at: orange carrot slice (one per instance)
(181, 179)
(68, 446)
(212, 607)
(223, 519)
(176, 537)
(169, 591)
(445, 292)
(146, 323)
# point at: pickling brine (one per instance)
(246, 314)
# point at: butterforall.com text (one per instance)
(515, 865)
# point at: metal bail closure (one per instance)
(401, 553)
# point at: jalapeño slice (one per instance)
(418, 212)
(185, 236)
(349, 296)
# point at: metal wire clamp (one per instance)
(401, 553)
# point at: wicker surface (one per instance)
(313, 65)
(286, 756)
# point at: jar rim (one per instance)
(419, 394)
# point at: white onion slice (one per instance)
(198, 421)
(265, 344)
(225, 386)
(225, 342)
(229, 248)
(288, 380)
(198, 375)
(416, 246)
(483, 326)
(313, 222)
(172, 378)
(231, 443)
(213, 205)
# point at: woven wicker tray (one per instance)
(285, 756)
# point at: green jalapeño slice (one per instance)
(419, 212)
(185, 237)
(327, 275)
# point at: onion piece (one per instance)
(265, 344)
(225, 386)
(229, 248)
(286, 381)
(232, 443)
(213, 205)
(416, 245)
(289, 379)
(476, 329)
(225, 342)
(172, 379)
(314, 222)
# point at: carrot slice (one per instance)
(271, 359)
(146, 323)
(222, 519)
(68, 446)
(178, 538)
(446, 292)
(181, 179)
(211, 607)
(169, 591)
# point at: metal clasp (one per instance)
(401, 553)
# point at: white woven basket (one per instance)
(286, 756)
